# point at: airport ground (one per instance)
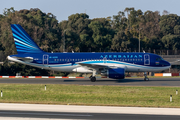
(129, 81)
(23, 111)
(71, 112)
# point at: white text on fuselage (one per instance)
(121, 56)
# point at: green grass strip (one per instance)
(90, 95)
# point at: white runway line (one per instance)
(90, 109)
(22, 118)
(30, 113)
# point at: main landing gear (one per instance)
(145, 77)
(92, 78)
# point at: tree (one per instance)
(101, 33)
(119, 42)
(119, 21)
(171, 42)
(177, 30)
(77, 32)
(168, 22)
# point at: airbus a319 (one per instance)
(112, 65)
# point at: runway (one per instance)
(68, 112)
(167, 81)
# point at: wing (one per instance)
(93, 66)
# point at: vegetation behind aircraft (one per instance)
(119, 33)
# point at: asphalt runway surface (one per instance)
(166, 81)
(70, 112)
(83, 116)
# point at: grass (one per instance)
(90, 95)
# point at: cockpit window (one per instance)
(159, 59)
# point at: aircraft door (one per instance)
(146, 59)
(45, 59)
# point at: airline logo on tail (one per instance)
(24, 43)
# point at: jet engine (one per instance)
(115, 73)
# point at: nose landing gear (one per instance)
(145, 77)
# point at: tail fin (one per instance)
(24, 43)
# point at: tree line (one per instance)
(117, 33)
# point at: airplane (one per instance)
(109, 64)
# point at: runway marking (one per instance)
(23, 118)
(17, 113)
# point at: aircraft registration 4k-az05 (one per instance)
(112, 65)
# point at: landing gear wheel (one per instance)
(146, 79)
(93, 79)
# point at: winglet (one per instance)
(24, 43)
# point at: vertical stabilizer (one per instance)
(24, 43)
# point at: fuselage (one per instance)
(112, 65)
(69, 62)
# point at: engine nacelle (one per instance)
(116, 73)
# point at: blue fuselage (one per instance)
(137, 62)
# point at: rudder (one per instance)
(24, 43)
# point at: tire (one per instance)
(146, 79)
(93, 79)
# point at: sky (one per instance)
(94, 8)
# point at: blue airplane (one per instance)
(112, 65)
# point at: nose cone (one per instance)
(166, 63)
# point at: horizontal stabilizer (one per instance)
(26, 59)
